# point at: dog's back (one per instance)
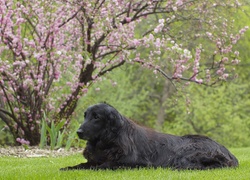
(181, 152)
(194, 152)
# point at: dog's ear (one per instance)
(115, 120)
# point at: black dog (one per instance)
(114, 141)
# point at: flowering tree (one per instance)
(52, 51)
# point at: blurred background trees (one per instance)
(53, 67)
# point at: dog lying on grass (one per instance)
(113, 142)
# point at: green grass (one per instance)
(48, 168)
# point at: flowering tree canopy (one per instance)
(52, 51)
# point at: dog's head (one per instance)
(100, 120)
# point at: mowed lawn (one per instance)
(48, 168)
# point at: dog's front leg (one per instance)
(86, 165)
(109, 165)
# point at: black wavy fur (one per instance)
(113, 142)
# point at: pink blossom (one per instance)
(85, 90)
(22, 141)
(179, 2)
(128, 19)
(158, 42)
(235, 61)
(225, 59)
(209, 34)
(219, 44)
(57, 75)
(151, 37)
(243, 30)
(174, 8)
(199, 81)
(136, 42)
(161, 21)
(196, 63)
(16, 109)
(160, 26)
(219, 72)
(236, 53)
(225, 76)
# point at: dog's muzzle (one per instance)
(80, 134)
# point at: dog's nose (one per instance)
(79, 133)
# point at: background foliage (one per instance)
(167, 40)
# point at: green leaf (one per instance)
(43, 138)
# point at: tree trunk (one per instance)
(33, 137)
(71, 103)
(161, 115)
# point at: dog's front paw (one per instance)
(65, 169)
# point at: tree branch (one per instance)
(8, 101)
(70, 18)
(111, 68)
(6, 112)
